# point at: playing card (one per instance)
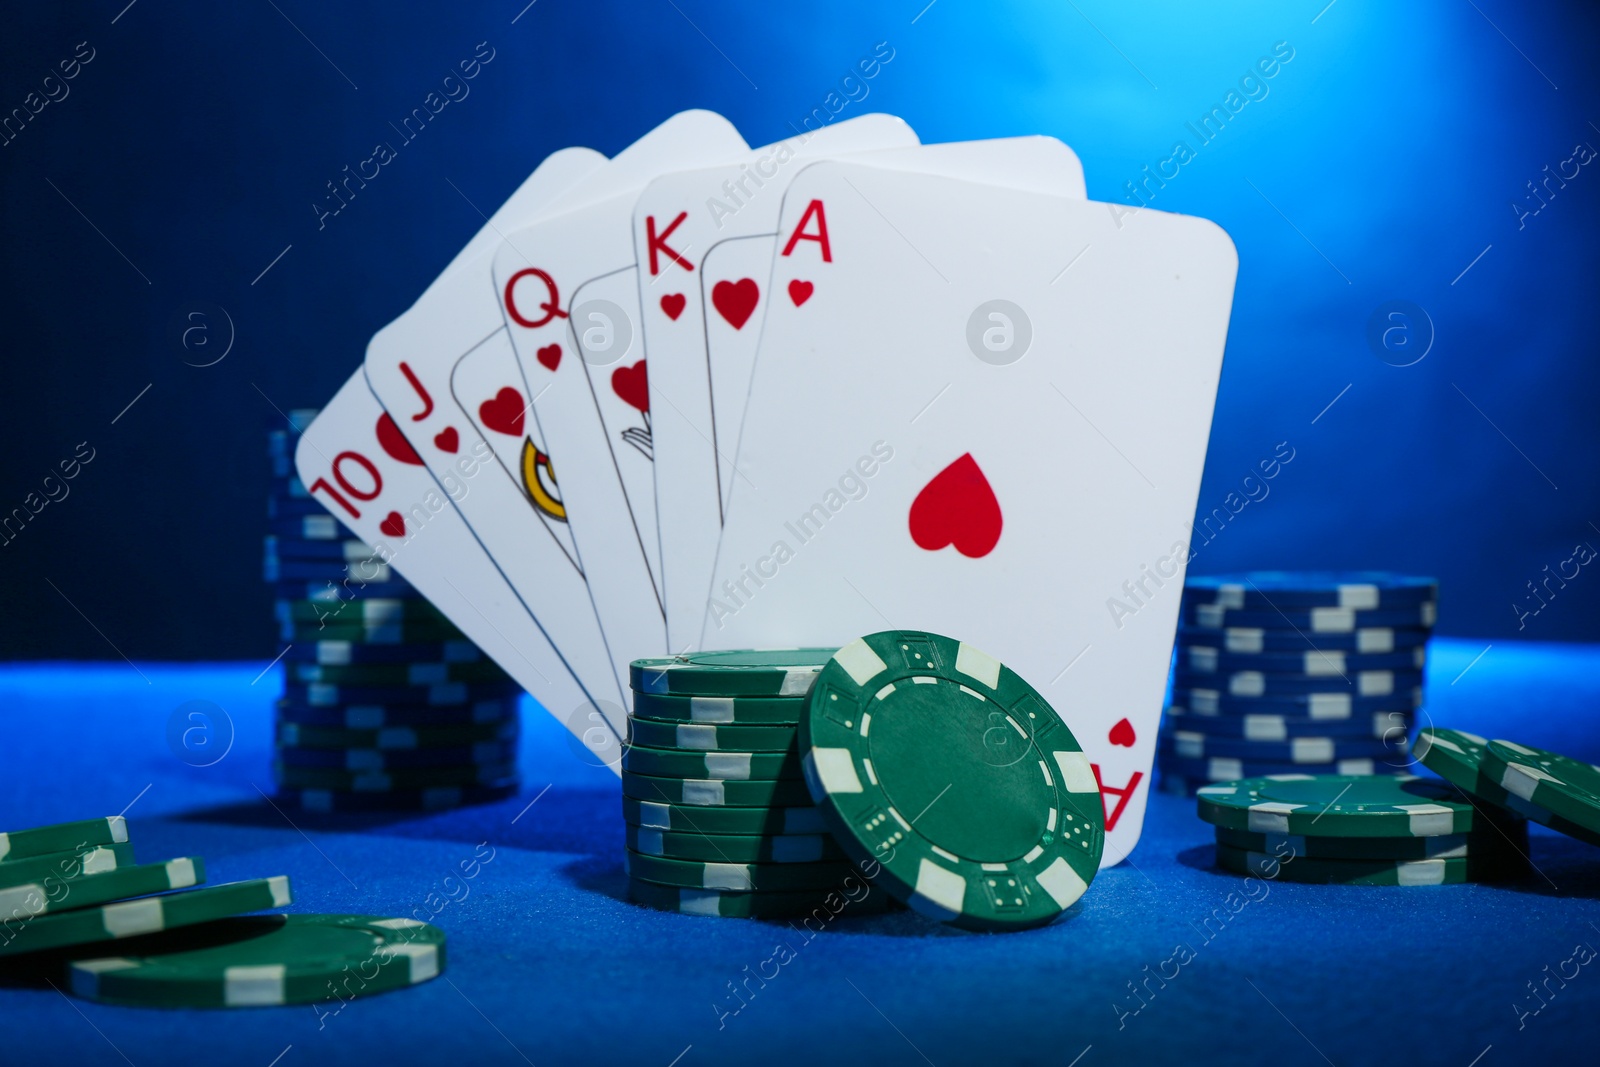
(701, 350)
(354, 460)
(981, 412)
(571, 311)
(410, 364)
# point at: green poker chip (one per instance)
(64, 866)
(145, 915)
(723, 711)
(1512, 840)
(713, 792)
(62, 837)
(854, 899)
(264, 960)
(1338, 805)
(736, 848)
(1547, 782)
(1458, 757)
(1365, 872)
(938, 762)
(52, 895)
(786, 672)
(738, 877)
(699, 736)
(681, 818)
(675, 763)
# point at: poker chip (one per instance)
(405, 631)
(1319, 663)
(1363, 872)
(714, 792)
(765, 672)
(377, 760)
(675, 763)
(1546, 782)
(1189, 744)
(711, 737)
(265, 960)
(1388, 725)
(292, 734)
(1244, 639)
(63, 866)
(436, 694)
(856, 899)
(1228, 768)
(345, 653)
(1308, 620)
(737, 877)
(1270, 590)
(62, 837)
(392, 780)
(676, 707)
(50, 895)
(934, 762)
(1458, 757)
(1201, 700)
(307, 570)
(146, 915)
(330, 801)
(362, 611)
(348, 550)
(1381, 683)
(407, 674)
(735, 848)
(803, 819)
(1511, 838)
(378, 716)
(327, 591)
(309, 526)
(1338, 805)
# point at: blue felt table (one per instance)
(548, 965)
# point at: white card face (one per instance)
(410, 364)
(989, 413)
(705, 380)
(376, 485)
(582, 362)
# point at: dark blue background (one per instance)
(1383, 161)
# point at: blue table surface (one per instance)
(548, 964)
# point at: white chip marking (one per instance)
(23, 900)
(704, 794)
(278, 884)
(696, 736)
(1062, 882)
(1420, 872)
(978, 665)
(797, 683)
(835, 770)
(699, 902)
(735, 876)
(133, 917)
(99, 859)
(729, 765)
(5, 845)
(1271, 817)
(1311, 750)
(1329, 705)
(1265, 728)
(1375, 683)
(118, 827)
(1050, 820)
(860, 662)
(181, 873)
(939, 892)
(1429, 820)
(872, 775)
(424, 960)
(1076, 772)
(654, 815)
(924, 679)
(951, 856)
(1033, 853)
(1522, 779)
(86, 973)
(647, 841)
(884, 692)
(866, 723)
(711, 709)
(253, 986)
(1044, 772)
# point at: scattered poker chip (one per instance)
(1189, 744)
(1231, 768)
(348, 550)
(1260, 684)
(1511, 838)
(388, 633)
(762, 672)
(377, 760)
(1321, 663)
(378, 716)
(1547, 782)
(1308, 620)
(62, 837)
(145, 915)
(803, 819)
(266, 960)
(675, 707)
(1203, 700)
(1270, 590)
(1362, 872)
(389, 781)
(1245, 639)
(1390, 725)
(737, 877)
(326, 801)
(1458, 757)
(736, 848)
(938, 762)
(362, 611)
(292, 735)
(855, 899)
(1338, 805)
(343, 653)
(453, 694)
(675, 763)
(51, 895)
(64, 866)
(711, 737)
(410, 674)
(714, 792)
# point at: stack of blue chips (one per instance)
(1295, 673)
(386, 706)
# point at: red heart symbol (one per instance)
(394, 442)
(800, 291)
(393, 525)
(673, 304)
(957, 508)
(736, 300)
(1122, 734)
(631, 384)
(550, 356)
(503, 414)
(447, 439)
